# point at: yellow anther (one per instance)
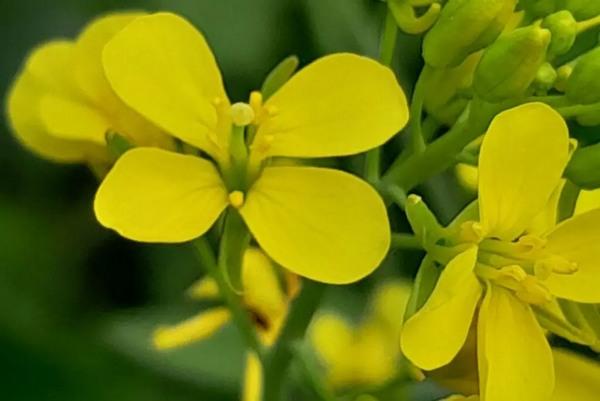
(471, 231)
(533, 292)
(242, 114)
(556, 264)
(256, 101)
(532, 242)
(514, 272)
(236, 199)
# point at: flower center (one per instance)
(521, 265)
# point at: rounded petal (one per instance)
(197, 328)
(522, 158)
(152, 195)
(576, 377)
(44, 76)
(435, 334)
(577, 239)
(515, 359)
(91, 78)
(339, 105)
(162, 67)
(322, 224)
(262, 288)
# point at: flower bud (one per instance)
(584, 167)
(581, 9)
(563, 27)
(510, 64)
(422, 220)
(464, 27)
(583, 86)
(545, 78)
(539, 8)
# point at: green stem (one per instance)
(417, 142)
(310, 372)
(279, 357)
(441, 154)
(386, 55)
(240, 316)
(583, 26)
(576, 110)
(405, 241)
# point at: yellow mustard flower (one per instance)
(508, 262)
(320, 223)
(576, 378)
(366, 355)
(61, 105)
(265, 299)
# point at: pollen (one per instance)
(242, 114)
(236, 199)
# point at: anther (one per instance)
(236, 199)
(413, 199)
(514, 272)
(242, 114)
(533, 292)
(471, 231)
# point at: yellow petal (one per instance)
(546, 220)
(339, 105)
(515, 360)
(152, 195)
(43, 75)
(162, 67)
(198, 328)
(89, 74)
(522, 158)
(587, 201)
(323, 224)
(577, 239)
(262, 288)
(252, 390)
(435, 334)
(205, 288)
(331, 337)
(576, 377)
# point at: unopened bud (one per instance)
(422, 220)
(511, 64)
(563, 27)
(581, 9)
(539, 8)
(465, 27)
(583, 86)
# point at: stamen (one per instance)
(554, 264)
(533, 292)
(236, 199)
(471, 231)
(242, 114)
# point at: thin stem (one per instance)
(240, 316)
(278, 359)
(405, 241)
(583, 26)
(386, 55)
(576, 110)
(417, 142)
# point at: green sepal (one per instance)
(407, 20)
(538, 8)
(117, 144)
(581, 9)
(234, 241)
(464, 27)
(279, 76)
(584, 167)
(425, 281)
(509, 66)
(545, 78)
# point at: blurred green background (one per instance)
(77, 303)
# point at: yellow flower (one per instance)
(513, 258)
(320, 223)
(265, 299)
(366, 355)
(61, 105)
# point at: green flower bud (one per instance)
(583, 86)
(422, 220)
(563, 27)
(538, 8)
(511, 64)
(584, 167)
(545, 78)
(464, 27)
(581, 9)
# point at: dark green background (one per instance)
(77, 303)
